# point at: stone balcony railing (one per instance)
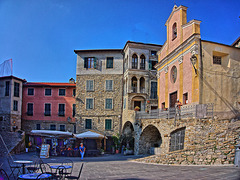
(187, 111)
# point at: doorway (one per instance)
(173, 99)
(137, 103)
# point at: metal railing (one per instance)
(196, 110)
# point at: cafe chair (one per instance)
(39, 177)
(14, 167)
(46, 169)
(68, 162)
(60, 172)
(35, 166)
(3, 174)
(76, 177)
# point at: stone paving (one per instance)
(123, 167)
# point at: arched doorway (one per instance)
(127, 138)
(150, 137)
(142, 85)
(138, 101)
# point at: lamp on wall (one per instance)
(193, 60)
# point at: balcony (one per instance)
(187, 111)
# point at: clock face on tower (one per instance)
(173, 74)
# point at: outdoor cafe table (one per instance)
(23, 162)
(34, 176)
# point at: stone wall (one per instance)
(99, 114)
(207, 142)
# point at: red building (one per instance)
(48, 106)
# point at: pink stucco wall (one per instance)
(39, 99)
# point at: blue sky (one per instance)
(41, 35)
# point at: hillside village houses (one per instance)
(133, 91)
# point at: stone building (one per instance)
(48, 106)
(99, 89)
(10, 103)
(140, 81)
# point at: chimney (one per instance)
(71, 81)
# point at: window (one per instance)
(109, 85)
(61, 109)
(108, 124)
(142, 62)
(15, 105)
(38, 126)
(90, 62)
(89, 85)
(7, 88)
(134, 61)
(62, 127)
(185, 98)
(124, 103)
(1, 118)
(89, 103)
(30, 91)
(30, 109)
(109, 62)
(177, 140)
(74, 110)
(173, 74)
(74, 92)
(88, 124)
(16, 89)
(217, 60)
(153, 53)
(52, 127)
(108, 104)
(153, 90)
(174, 31)
(47, 111)
(61, 92)
(48, 92)
(163, 105)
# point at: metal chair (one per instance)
(35, 166)
(76, 177)
(68, 162)
(13, 167)
(3, 174)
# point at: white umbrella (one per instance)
(52, 133)
(89, 135)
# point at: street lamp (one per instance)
(193, 60)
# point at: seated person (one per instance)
(69, 151)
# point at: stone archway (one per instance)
(127, 138)
(150, 137)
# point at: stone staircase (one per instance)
(15, 142)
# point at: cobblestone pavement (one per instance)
(122, 167)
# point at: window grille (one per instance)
(177, 140)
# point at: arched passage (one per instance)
(150, 137)
(127, 138)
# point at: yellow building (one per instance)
(196, 71)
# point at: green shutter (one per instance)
(95, 63)
(85, 62)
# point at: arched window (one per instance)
(142, 62)
(134, 61)
(174, 31)
(134, 84)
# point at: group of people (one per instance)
(69, 151)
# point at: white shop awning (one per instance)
(90, 135)
(51, 133)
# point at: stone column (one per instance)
(138, 85)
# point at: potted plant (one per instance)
(116, 142)
(102, 151)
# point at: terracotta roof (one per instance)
(48, 84)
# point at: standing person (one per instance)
(178, 105)
(82, 150)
